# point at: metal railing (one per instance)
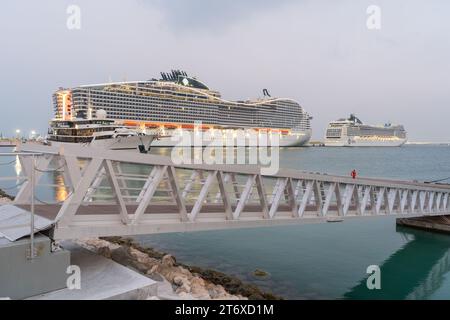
(123, 193)
(30, 179)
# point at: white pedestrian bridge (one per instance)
(104, 193)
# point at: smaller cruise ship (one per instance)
(99, 133)
(352, 132)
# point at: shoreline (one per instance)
(185, 279)
(434, 224)
(5, 198)
(4, 195)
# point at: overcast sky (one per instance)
(318, 52)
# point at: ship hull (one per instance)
(358, 142)
(189, 138)
(131, 143)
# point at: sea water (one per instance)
(321, 261)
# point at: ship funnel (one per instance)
(266, 93)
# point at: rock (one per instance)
(4, 197)
(123, 256)
(185, 271)
(183, 282)
(233, 285)
(169, 273)
(153, 270)
(141, 257)
(151, 265)
(185, 296)
(104, 251)
(168, 260)
(180, 280)
(198, 282)
(260, 273)
(216, 291)
(95, 244)
(184, 288)
(198, 289)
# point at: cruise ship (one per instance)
(352, 132)
(177, 104)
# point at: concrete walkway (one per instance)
(102, 279)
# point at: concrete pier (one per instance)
(102, 279)
(434, 224)
(8, 143)
(22, 277)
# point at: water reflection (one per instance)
(18, 167)
(416, 271)
(61, 192)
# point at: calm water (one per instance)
(330, 260)
(326, 260)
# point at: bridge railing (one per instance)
(121, 193)
(20, 180)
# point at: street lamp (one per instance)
(33, 135)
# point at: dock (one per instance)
(8, 143)
(439, 224)
(102, 279)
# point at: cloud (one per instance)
(317, 52)
(211, 15)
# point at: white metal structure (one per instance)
(17, 222)
(110, 193)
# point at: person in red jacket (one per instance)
(353, 174)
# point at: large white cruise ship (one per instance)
(177, 103)
(352, 132)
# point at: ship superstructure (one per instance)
(352, 132)
(100, 133)
(176, 101)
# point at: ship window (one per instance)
(334, 133)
